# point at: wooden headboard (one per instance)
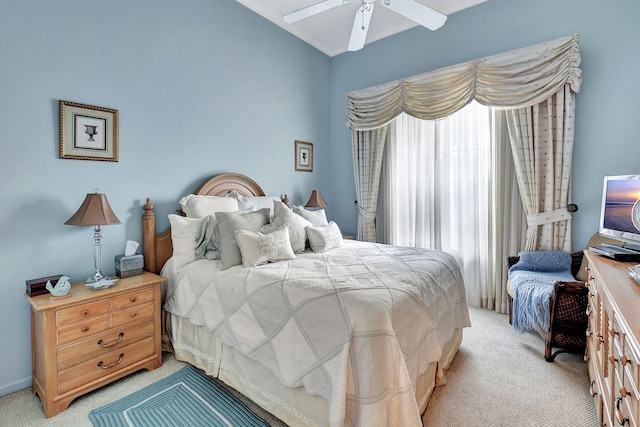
(157, 248)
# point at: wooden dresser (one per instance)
(93, 337)
(613, 344)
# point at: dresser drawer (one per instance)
(133, 314)
(82, 312)
(626, 403)
(113, 339)
(131, 299)
(104, 364)
(80, 330)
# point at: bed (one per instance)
(353, 337)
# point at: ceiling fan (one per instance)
(410, 9)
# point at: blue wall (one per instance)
(608, 106)
(201, 86)
(207, 86)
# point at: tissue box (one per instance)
(127, 266)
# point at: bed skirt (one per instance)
(199, 347)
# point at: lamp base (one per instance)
(96, 278)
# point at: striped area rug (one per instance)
(184, 398)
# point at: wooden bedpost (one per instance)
(149, 237)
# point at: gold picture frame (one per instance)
(88, 132)
(303, 156)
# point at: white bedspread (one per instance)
(356, 325)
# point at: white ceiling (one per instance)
(329, 31)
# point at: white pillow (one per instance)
(322, 239)
(317, 218)
(228, 224)
(260, 248)
(196, 206)
(283, 217)
(184, 232)
(254, 203)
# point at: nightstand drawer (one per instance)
(82, 330)
(132, 299)
(103, 343)
(81, 312)
(132, 314)
(105, 364)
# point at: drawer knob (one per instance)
(625, 361)
(103, 345)
(623, 392)
(134, 299)
(85, 329)
(612, 359)
(85, 312)
(117, 362)
(592, 389)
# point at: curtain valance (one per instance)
(515, 79)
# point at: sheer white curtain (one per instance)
(445, 189)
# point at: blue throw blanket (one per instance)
(532, 279)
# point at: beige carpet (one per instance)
(498, 378)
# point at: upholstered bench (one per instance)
(548, 299)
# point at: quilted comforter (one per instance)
(356, 325)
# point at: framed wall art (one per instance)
(304, 156)
(88, 132)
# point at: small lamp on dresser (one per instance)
(95, 211)
(316, 201)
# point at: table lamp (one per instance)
(95, 211)
(316, 200)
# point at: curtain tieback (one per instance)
(547, 217)
(362, 211)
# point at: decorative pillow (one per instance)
(260, 248)
(208, 239)
(253, 203)
(196, 206)
(322, 239)
(184, 232)
(317, 218)
(283, 217)
(228, 224)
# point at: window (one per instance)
(444, 188)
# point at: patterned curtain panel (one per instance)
(542, 145)
(368, 150)
(514, 79)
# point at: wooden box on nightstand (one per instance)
(92, 337)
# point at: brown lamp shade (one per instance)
(95, 210)
(316, 200)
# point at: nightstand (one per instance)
(92, 337)
(348, 236)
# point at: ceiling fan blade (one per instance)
(360, 27)
(313, 10)
(417, 12)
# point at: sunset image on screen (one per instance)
(621, 196)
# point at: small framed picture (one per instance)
(304, 156)
(88, 132)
